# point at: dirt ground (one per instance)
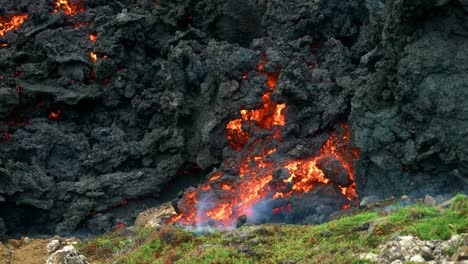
(34, 252)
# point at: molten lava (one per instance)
(269, 115)
(223, 201)
(70, 9)
(93, 56)
(13, 23)
(93, 37)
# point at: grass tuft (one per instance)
(338, 241)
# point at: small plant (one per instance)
(174, 236)
(450, 251)
(338, 241)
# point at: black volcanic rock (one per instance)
(334, 170)
(169, 77)
(410, 103)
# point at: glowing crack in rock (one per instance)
(221, 201)
(12, 23)
(69, 7)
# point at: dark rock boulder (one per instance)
(334, 170)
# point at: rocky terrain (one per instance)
(107, 104)
(387, 232)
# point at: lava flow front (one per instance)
(260, 175)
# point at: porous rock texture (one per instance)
(169, 77)
(409, 112)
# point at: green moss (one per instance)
(338, 241)
(460, 203)
(412, 213)
(146, 253)
(352, 221)
(107, 245)
(439, 228)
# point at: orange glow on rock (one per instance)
(93, 56)
(13, 23)
(80, 24)
(93, 37)
(55, 115)
(70, 9)
(269, 115)
(223, 201)
(119, 227)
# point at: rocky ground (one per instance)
(388, 232)
(24, 251)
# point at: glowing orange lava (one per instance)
(55, 115)
(223, 201)
(70, 9)
(13, 23)
(93, 37)
(269, 115)
(93, 56)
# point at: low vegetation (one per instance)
(338, 241)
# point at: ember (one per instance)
(55, 115)
(18, 89)
(119, 226)
(93, 56)
(223, 201)
(13, 23)
(93, 37)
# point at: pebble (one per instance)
(417, 258)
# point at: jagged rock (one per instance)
(409, 248)
(464, 4)
(162, 97)
(155, 217)
(53, 246)
(66, 255)
(334, 170)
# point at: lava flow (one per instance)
(14, 22)
(70, 9)
(255, 136)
